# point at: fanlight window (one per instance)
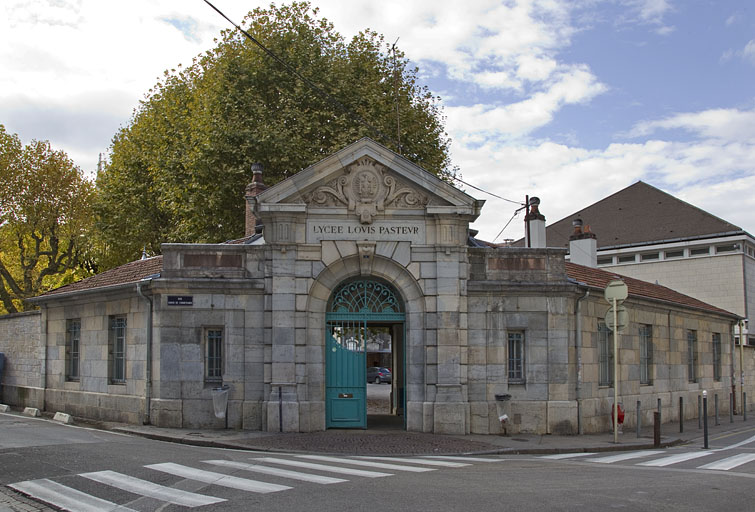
(364, 297)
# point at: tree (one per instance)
(45, 215)
(178, 170)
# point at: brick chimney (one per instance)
(583, 245)
(253, 224)
(535, 225)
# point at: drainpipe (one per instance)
(578, 350)
(731, 367)
(148, 370)
(43, 342)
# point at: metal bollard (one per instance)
(715, 406)
(705, 413)
(699, 411)
(659, 411)
(656, 429)
(681, 414)
(731, 407)
(744, 406)
(639, 418)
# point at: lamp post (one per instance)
(616, 319)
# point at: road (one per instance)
(80, 469)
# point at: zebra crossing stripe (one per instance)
(465, 459)
(323, 467)
(730, 462)
(376, 465)
(151, 490)
(210, 477)
(442, 463)
(674, 459)
(66, 498)
(285, 473)
(625, 456)
(560, 456)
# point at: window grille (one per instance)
(117, 349)
(605, 356)
(214, 355)
(73, 341)
(646, 354)
(692, 356)
(516, 357)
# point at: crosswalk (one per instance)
(662, 459)
(284, 471)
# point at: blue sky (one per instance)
(564, 99)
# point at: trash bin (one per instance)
(220, 400)
(503, 404)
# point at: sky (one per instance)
(566, 100)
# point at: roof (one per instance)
(597, 278)
(128, 273)
(640, 214)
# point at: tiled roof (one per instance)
(639, 213)
(597, 278)
(128, 273)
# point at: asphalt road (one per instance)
(51, 461)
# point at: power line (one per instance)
(516, 212)
(486, 192)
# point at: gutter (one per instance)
(578, 349)
(148, 369)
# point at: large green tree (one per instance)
(45, 220)
(178, 170)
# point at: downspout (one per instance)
(43, 342)
(731, 367)
(148, 369)
(578, 350)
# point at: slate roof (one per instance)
(597, 278)
(637, 215)
(128, 273)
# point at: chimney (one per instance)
(583, 245)
(253, 224)
(535, 225)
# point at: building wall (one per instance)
(20, 342)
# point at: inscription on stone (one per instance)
(411, 231)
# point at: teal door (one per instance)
(352, 307)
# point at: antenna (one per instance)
(395, 95)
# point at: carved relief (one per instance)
(366, 189)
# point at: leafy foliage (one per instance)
(45, 216)
(177, 172)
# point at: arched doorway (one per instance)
(359, 314)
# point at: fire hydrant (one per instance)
(620, 422)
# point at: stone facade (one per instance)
(22, 376)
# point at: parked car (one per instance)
(379, 374)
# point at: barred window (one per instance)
(692, 356)
(117, 349)
(73, 339)
(214, 355)
(646, 354)
(716, 356)
(605, 356)
(516, 357)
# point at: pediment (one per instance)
(367, 179)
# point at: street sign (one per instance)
(616, 289)
(622, 318)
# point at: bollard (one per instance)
(699, 411)
(639, 418)
(681, 414)
(731, 407)
(705, 419)
(715, 406)
(659, 411)
(656, 429)
(744, 406)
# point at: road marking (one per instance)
(730, 462)
(737, 445)
(625, 456)
(66, 498)
(210, 477)
(416, 461)
(560, 456)
(465, 459)
(674, 459)
(323, 467)
(285, 473)
(376, 465)
(151, 490)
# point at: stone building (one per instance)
(365, 243)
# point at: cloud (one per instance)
(729, 124)
(748, 53)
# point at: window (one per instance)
(605, 356)
(716, 356)
(649, 256)
(73, 338)
(726, 248)
(699, 251)
(608, 260)
(627, 259)
(692, 356)
(646, 354)
(674, 254)
(516, 357)
(117, 349)
(213, 362)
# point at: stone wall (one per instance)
(20, 342)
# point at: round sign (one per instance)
(622, 318)
(616, 289)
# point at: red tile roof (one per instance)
(128, 273)
(597, 278)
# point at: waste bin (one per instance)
(220, 400)
(503, 404)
